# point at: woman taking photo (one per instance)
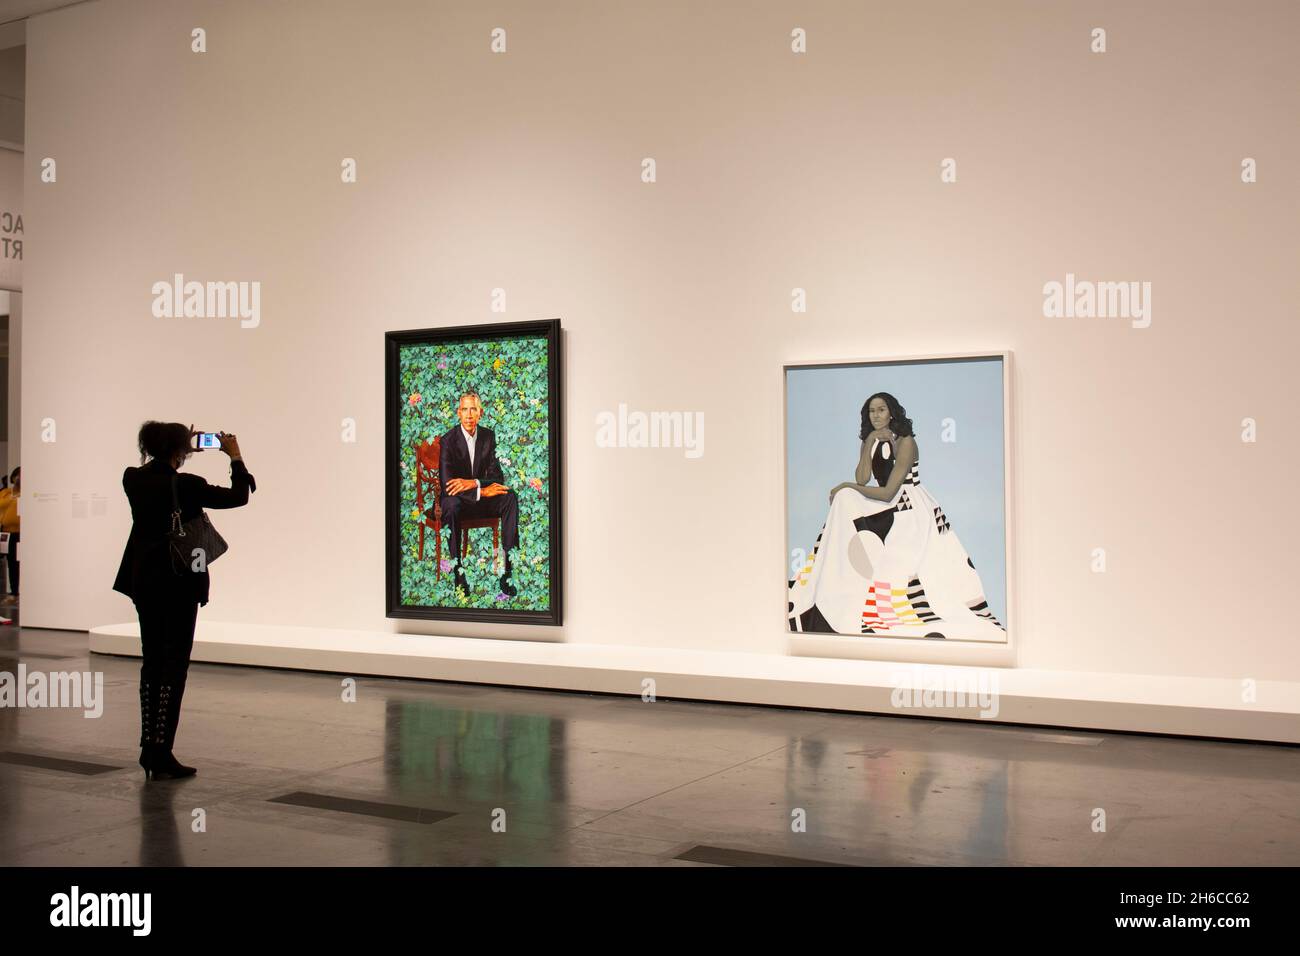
(166, 598)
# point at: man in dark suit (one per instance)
(472, 485)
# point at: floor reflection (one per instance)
(160, 835)
(498, 763)
(474, 756)
(905, 803)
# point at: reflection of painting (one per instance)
(887, 560)
(476, 755)
(473, 473)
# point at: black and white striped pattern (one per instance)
(920, 603)
(981, 609)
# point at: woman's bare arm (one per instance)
(904, 458)
(863, 474)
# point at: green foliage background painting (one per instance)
(510, 375)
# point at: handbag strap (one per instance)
(177, 527)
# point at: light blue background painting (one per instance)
(823, 417)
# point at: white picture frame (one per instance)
(910, 649)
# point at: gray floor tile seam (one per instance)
(351, 728)
(253, 794)
(1105, 853)
(155, 814)
(828, 848)
(1231, 825)
(555, 842)
(1095, 852)
(652, 754)
(1123, 833)
(128, 753)
(152, 814)
(746, 830)
(687, 783)
(355, 724)
(824, 844)
(925, 858)
(417, 836)
(181, 827)
(1088, 759)
(86, 789)
(770, 838)
(444, 834)
(294, 779)
(1147, 783)
(120, 721)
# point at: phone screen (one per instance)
(207, 440)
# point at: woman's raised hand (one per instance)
(230, 445)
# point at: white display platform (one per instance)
(1203, 707)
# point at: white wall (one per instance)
(775, 171)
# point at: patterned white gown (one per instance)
(890, 569)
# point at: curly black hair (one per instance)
(163, 440)
(898, 420)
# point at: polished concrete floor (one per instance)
(417, 773)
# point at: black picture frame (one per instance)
(393, 341)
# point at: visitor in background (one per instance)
(9, 525)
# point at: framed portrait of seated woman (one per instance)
(897, 505)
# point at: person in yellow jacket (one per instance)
(9, 523)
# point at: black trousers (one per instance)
(166, 642)
(505, 507)
(166, 635)
(12, 559)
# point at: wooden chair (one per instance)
(427, 477)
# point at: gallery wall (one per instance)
(775, 171)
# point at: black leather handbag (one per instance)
(197, 534)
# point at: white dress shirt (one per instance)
(470, 440)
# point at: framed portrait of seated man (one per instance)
(473, 525)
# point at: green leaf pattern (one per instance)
(510, 375)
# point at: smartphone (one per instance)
(204, 441)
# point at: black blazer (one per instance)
(145, 571)
(453, 460)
